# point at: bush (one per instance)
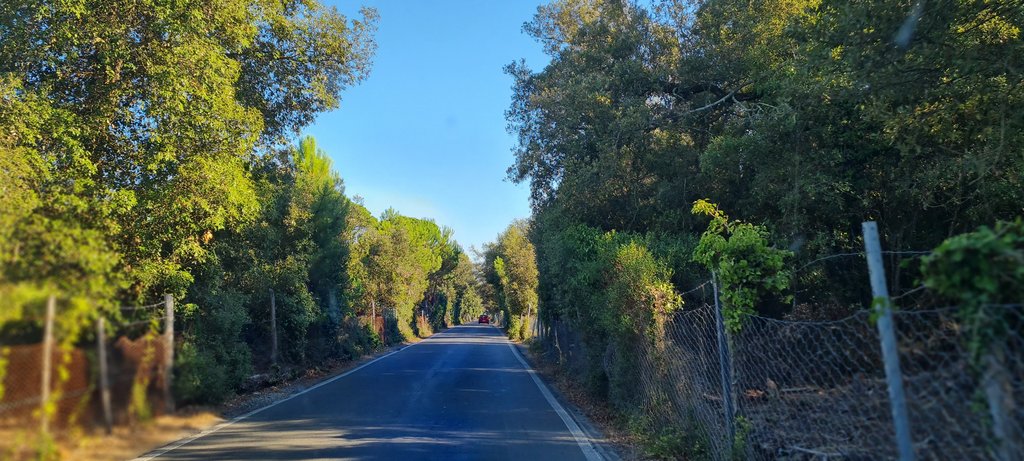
(213, 360)
(979, 269)
(208, 374)
(747, 267)
(515, 326)
(639, 296)
(197, 377)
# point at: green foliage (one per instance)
(638, 297)
(740, 442)
(46, 448)
(667, 441)
(772, 108)
(139, 409)
(198, 377)
(125, 128)
(470, 306)
(746, 267)
(981, 267)
(401, 264)
(798, 115)
(140, 155)
(611, 287)
(513, 273)
(977, 270)
(5, 352)
(447, 283)
(639, 288)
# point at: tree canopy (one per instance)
(787, 123)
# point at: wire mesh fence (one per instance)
(694, 373)
(21, 403)
(63, 393)
(811, 383)
(963, 369)
(811, 389)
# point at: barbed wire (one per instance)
(143, 322)
(907, 252)
(36, 400)
(142, 307)
(861, 255)
(698, 287)
(826, 258)
(918, 289)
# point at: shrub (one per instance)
(209, 374)
(978, 269)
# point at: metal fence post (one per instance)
(101, 347)
(168, 352)
(725, 373)
(44, 391)
(887, 334)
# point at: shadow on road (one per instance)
(461, 394)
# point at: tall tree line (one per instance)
(146, 148)
(806, 117)
(785, 123)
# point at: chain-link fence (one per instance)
(799, 388)
(803, 390)
(811, 389)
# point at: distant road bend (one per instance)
(464, 394)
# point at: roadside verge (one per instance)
(605, 447)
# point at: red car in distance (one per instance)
(484, 319)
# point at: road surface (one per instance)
(460, 395)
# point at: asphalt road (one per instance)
(460, 395)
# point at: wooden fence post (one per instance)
(373, 321)
(273, 328)
(101, 348)
(168, 353)
(44, 394)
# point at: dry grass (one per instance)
(128, 442)
(125, 442)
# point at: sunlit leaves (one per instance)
(746, 266)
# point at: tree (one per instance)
(800, 116)
(515, 268)
(393, 264)
(470, 306)
(137, 124)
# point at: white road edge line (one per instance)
(582, 440)
(180, 443)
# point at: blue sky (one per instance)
(425, 133)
